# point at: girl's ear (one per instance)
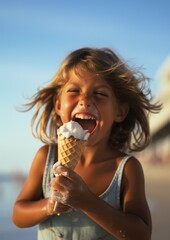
(122, 112)
(56, 104)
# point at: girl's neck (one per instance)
(95, 154)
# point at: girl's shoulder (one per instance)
(46, 156)
(42, 153)
(35, 177)
(133, 166)
(40, 158)
(133, 175)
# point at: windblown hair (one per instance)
(129, 85)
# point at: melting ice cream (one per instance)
(73, 129)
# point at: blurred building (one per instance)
(159, 150)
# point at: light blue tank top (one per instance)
(76, 225)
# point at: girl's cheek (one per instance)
(62, 114)
(66, 109)
(63, 117)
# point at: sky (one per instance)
(35, 36)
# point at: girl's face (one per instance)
(90, 101)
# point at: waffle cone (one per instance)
(69, 151)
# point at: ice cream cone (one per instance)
(69, 150)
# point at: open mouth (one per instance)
(87, 122)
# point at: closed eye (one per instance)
(101, 94)
(73, 90)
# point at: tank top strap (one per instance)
(112, 193)
(48, 174)
(118, 180)
(120, 169)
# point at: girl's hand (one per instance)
(71, 189)
(52, 208)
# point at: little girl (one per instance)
(104, 197)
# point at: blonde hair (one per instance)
(129, 85)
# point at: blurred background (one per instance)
(35, 36)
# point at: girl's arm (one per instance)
(29, 208)
(132, 222)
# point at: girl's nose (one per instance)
(85, 101)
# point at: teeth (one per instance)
(84, 116)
